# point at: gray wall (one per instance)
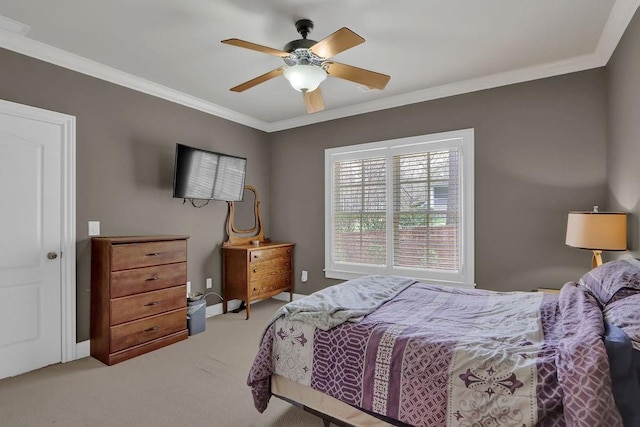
(623, 169)
(539, 153)
(125, 151)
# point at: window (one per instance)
(401, 207)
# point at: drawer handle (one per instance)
(153, 328)
(151, 279)
(154, 254)
(151, 304)
(255, 270)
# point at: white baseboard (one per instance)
(83, 349)
(285, 296)
(216, 309)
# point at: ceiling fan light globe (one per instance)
(305, 78)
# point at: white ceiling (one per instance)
(431, 49)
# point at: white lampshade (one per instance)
(605, 231)
(305, 78)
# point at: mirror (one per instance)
(244, 224)
(244, 219)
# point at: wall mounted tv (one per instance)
(203, 174)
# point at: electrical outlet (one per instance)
(188, 287)
(94, 228)
(304, 276)
(209, 283)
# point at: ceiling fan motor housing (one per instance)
(303, 56)
(304, 27)
(299, 44)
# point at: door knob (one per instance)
(52, 255)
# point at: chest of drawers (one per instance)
(256, 272)
(138, 295)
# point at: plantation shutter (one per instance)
(360, 204)
(426, 210)
(402, 207)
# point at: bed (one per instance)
(393, 351)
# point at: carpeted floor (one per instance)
(197, 382)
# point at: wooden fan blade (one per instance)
(258, 47)
(260, 79)
(358, 75)
(337, 42)
(313, 101)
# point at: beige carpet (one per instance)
(197, 382)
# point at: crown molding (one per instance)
(62, 58)
(580, 63)
(621, 14)
(14, 27)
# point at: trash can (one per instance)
(196, 315)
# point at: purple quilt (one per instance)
(445, 356)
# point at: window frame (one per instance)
(463, 140)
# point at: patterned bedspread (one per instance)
(436, 356)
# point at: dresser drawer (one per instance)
(267, 254)
(135, 255)
(147, 304)
(265, 284)
(129, 282)
(270, 267)
(147, 329)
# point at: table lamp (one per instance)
(597, 231)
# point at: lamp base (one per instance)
(596, 261)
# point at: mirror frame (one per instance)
(236, 236)
(233, 212)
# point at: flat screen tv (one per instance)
(204, 174)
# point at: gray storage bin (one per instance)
(196, 315)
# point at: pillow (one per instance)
(625, 314)
(609, 278)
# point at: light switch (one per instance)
(94, 228)
(304, 276)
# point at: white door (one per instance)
(30, 243)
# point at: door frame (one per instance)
(67, 124)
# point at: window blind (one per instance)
(426, 210)
(360, 205)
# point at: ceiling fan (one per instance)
(307, 64)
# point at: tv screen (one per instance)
(204, 174)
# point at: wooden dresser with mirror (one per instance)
(253, 268)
